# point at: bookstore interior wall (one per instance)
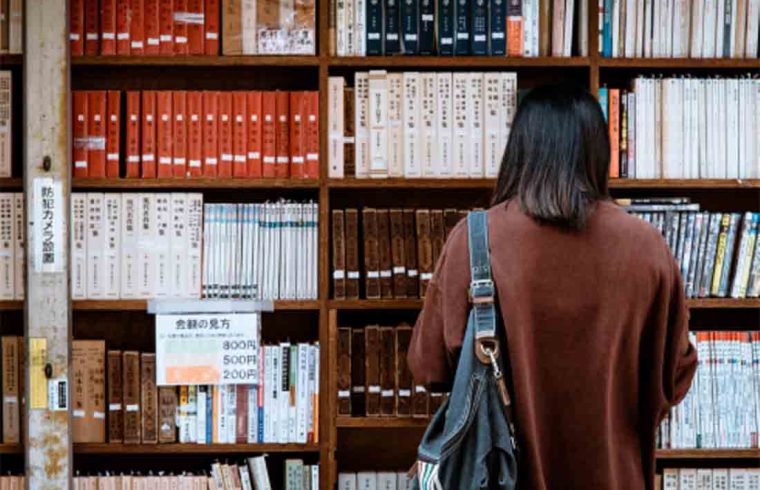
(317, 154)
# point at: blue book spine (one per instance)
(462, 38)
(427, 27)
(603, 101)
(374, 27)
(479, 27)
(209, 415)
(445, 27)
(392, 28)
(410, 26)
(607, 29)
(498, 27)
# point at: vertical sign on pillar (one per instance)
(46, 185)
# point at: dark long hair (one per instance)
(556, 163)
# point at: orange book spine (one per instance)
(113, 133)
(164, 133)
(179, 129)
(211, 25)
(312, 135)
(80, 143)
(148, 133)
(136, 27)
(123, 26)
(614, 130)
(210, 134)
(166, 27)
(132, 135)
(216, 401)
(178, 24)
(194, 134)
(282, 134)
(108, 27)
(297, 134)
(268, 134)
(96, 134)
(254, 134)
(91, 27)
(225, 135)
(152, 30)
(76, 27)
(515, 46)
(195, 28)
(239, 134)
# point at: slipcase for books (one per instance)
(80, 142)
(96, 133)
(115, 386)
(361, 124)
(195, 124)
(491, 123)
(113, 133)
(174, 27)
(76, 27)
(335, 127)
(195, 235)
(239, 134)
(411, 123)
(112, 245)
(282, 131)
(78, 246)
(195, 21)
(152, 28)
(148, 398)
(95, 246)
(428, 124)
(108, 27)
(164, 133)
(268, 134)
(131, 397)
(179, 133)
(297, 134)
(461, 156)
(377, 123)
(515, 36)
(137, 27)
(311, 135)
(254, 129)
(10, 390)
(225, 135)
(132, 134)
(475, 120)
(91, 27)
(211, 18)
(123, 26)
(146, 236)
(210, 133)
(19, 253)
(148, 135)
(6, 110)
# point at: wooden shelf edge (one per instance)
(411, 304)
(457, 61)
(12, 183)
(202, 183)
(11, 449)
(116, 448)
(425, 183)
(197, 60)
(11, 305)
(142, 305)
(704, 303)
(11, 60)
(708, 453)
(344, 422)
(735, 63)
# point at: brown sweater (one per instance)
(597, 330)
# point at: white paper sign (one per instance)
(48, 225)
(207, 348)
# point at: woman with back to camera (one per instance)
(591, 298)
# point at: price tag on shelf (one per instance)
(207, 348)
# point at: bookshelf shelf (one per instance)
(11, 449)
(694, 63)
(457, 61)
(168, 449)
(708, 453)
(11, 305)
(200, 183)
(401, 183)
(380, 422)
(11, 60)
(196, 60)
(142, 305)
(413, 304)
(12, 184)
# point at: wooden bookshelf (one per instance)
(199, 184)
(142, 305)
(380, 423)
(422, 183)
(11, 449)
(196, 60)
(709, 454)
(173, 449)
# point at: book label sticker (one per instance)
(207, 349)
(38, 383)
(47, 225)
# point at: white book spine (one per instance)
(378, 120)
(395, 127)
(508, 99)
(341, 28)
(162, 245)
(710, 12)
(302, 393)
(361, 124)
(267, 396)
(461, 155)
(19, 254)
(428, 126)
(131, 206)
(349, 26)
(696, 46)
(347, 481)
(179, 243)
(231, 413)
(475, 118)
(201, 410)
(719, 28)
(527, 11)
(7, 262)
(411, 121)
(95, 246)
(194, 265)
(444, 134)
(360, 28)
(6, 110)
(336, 128)
(615, 28)
(146, 242)
(253, 415)
(112, 239)
(248, 27)
(491, 106)
(567, 43)
(733, 128)
(753, 26)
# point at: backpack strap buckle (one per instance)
(482, 292)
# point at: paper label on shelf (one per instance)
(207, 348)
(47, 225)
(38, 385)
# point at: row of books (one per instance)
(115, 398)
(718, 253)
(462, 27)
(399, 249)
(6, 122)
(681, 29)
(684, 128)
(372, 480)
(12, 246)
(414, 124)
(708, 479)
(182, 134)
(722, 408)
(12, 385)
(12, 26)
(261, 251)
(374, 378)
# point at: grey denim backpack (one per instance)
(470, 442)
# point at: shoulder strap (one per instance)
(482, 288)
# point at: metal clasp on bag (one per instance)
(482, 291)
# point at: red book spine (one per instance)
(96, 134)
(254, 134)
(76, 27)
(225, 134)
(108, 27)
(239, 134)
(312, 135)
(164, 115)
(91, 27)
(297, 134)
(113, 133)
(211, 24)
(179, 26)
(195, 28)
(179, 161)
(268, 134)
(80, 143)
(614, 131)
(210, 133)
(148, 161)
(152, 30)
(132, 135)
(137, 27)
(282, 138)
(241, 414)
(195, 134)
(166, 26)
(123, 26)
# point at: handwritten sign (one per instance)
(208, 348)
(48, 225)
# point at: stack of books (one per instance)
(12, 246)
(371, 480)
(707, 478)
(6, 122)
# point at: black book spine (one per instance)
(392, 19)
(498, 27)
(374, 27)
(410, 26)
(462, 38)
(445, 27)
(427, 27)
(479, 29)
